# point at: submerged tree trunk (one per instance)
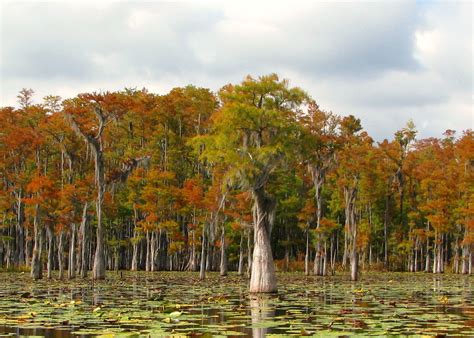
(263, 277)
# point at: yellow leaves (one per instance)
(172, 317)
(218, 299)
(359, 291)
(26, 316)
(169, 225)
(304, 332)
(175, 314)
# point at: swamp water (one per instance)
(177, 303)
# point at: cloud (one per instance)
(385, 62)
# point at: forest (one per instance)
(256, 178)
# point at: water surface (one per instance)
(178, 303)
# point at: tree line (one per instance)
(254, 178)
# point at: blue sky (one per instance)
(385, 62)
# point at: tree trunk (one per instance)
(306, 256)
(465, 259)
(49, 233)
(354, 265)
(324, 263)
(385, 232)
(202, 267)
(95, 144)
(241, 255)
(456, 257)
(72, 253)
(263, 278)
(249, 254)
(466, 251)
(333, 253)
(428, 257)
(440, 256)
(98, 271)
(27, 247)
(351, 226)
(370, 256)
(318, 179)
(36, 264)
(192, 262)
(209, 254)
(136, 243)
(20, 238)
(471, 262)
(83, 234)
(415, 263)
(345, 255)
(116, 258)
(153, 251)
(61, 254)
(223, 264)
(148, 246)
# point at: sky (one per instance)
(385, 62)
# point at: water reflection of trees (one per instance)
(261, 310)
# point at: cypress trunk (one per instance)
(72, 253)
(36, 264)
(223, 263)
(263, 278)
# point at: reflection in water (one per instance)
(261, 310)
(97, 296)
(143, 303)
(37, 332)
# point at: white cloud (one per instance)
(384, 62)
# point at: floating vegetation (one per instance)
(178, 303)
